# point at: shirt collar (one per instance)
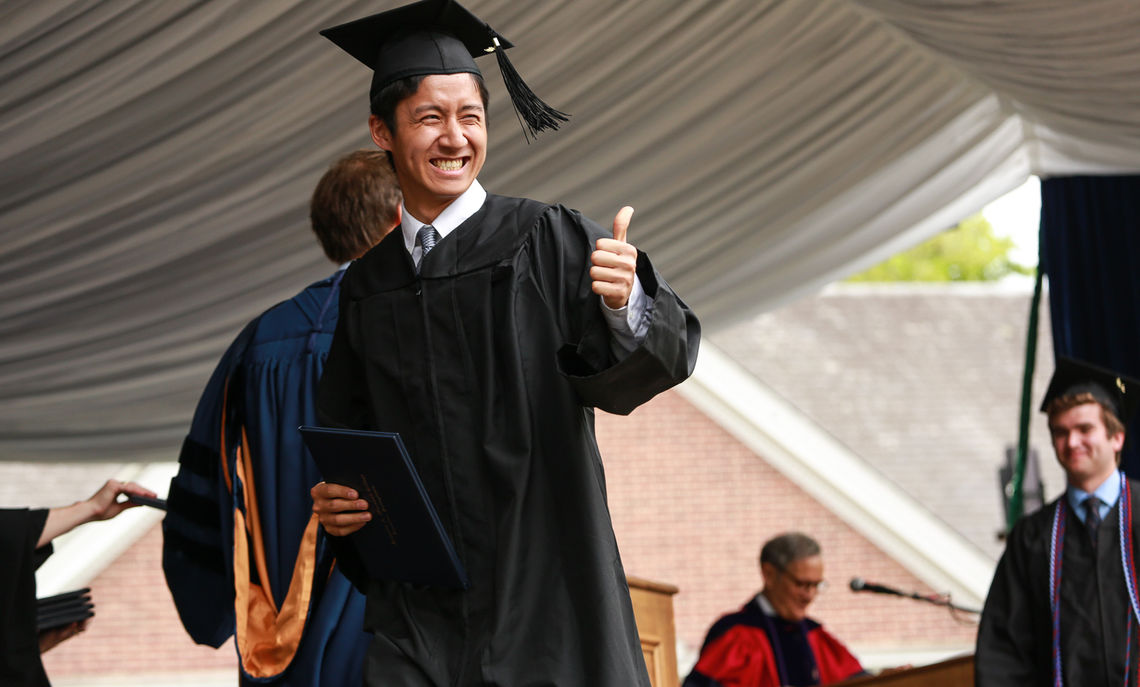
(467, 204)
(1108, 492)
(765, 605)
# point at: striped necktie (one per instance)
(427, 237)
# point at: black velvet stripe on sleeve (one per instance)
(200, 510)
(198, 459)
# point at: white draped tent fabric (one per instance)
(156, 160)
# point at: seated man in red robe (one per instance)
(771, 641)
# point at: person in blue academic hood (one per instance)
(243, 467)
(1062, 607)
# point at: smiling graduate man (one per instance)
(1062, 608)
(485, 331)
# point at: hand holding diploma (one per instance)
(102, 505)
(614, 264)
(406, 541)
(340, 509)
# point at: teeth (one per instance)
(448, 165)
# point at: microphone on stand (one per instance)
(858, 584)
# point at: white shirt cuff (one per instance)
(629, 323)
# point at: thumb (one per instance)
(621, 223)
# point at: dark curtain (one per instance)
(1090, 249)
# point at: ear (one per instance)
(769, 572)
(380, 134)
(1117, 441)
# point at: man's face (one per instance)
(439, 144)
(793, 589)
(1085, 450)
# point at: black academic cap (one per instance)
(437, 37)
(1115, 392)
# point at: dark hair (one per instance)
(384, 104)
(355, 204)
(788, 548)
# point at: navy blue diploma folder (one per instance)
(405, 540)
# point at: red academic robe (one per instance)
(739, 653)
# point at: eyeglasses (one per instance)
(805, 585)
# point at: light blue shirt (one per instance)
(1108, 493)
(628, 324)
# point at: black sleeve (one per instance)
(20, 529)
(37, 519)
(342, 394)
(665, 357)
(342, 401)
(1009, 648)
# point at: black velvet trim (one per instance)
(198, 459)
(195, 508)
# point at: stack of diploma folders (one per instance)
(64, 609)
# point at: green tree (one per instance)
(968, 252)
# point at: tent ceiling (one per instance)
(156, 161)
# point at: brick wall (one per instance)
(136, 628)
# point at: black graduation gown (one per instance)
(489, 365)
(1015, 636)
(20, 664)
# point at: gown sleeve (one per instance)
(664, 358)
(342, 401)
(1007, 634)
(342, 395)
(19, 641)
(199, 520)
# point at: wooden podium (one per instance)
(653, 610)
(955, 672)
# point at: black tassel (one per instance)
(534, 115)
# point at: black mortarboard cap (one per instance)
(1115, 392)
(437, 37)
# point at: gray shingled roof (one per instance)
(922, 381)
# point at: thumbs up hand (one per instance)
(614, 264)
